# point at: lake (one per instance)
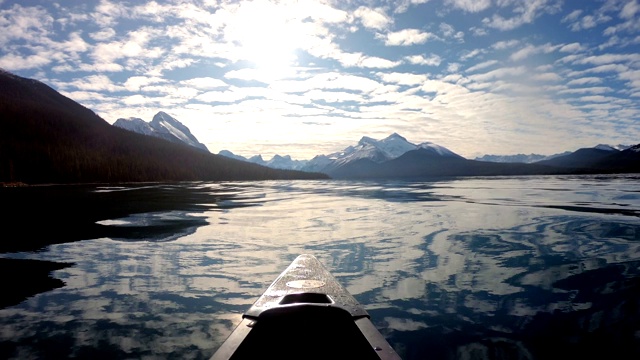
(469, 268)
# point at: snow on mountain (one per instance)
(277, 162)
(438, 150)
(164, 123)
(379, 151)
(605, 147)
(163, 126)
(136, 125)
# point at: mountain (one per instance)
(581, 158)
(276, 162)
(518, 158)
(373, 151)
(373, 159)
(46, 137)
(531, 158)
(624, 161)
(422, 163)
(163, 126)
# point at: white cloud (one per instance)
(548, 76)
(526, 12)
(505, 44)
(499, 74)
(407, 37)
(31, 24)
(136, 83)
(448, 31)
(103, 34)
(227, 96)
(403, 78)
(94, 83)
(205, 83)
(530, 50)
(609, 58)
(14, 62)
(377, 63)
(375, 19)
(572, 16)
(585, 80)
(432, 60)
(571, 48)
(630, 9)
(482, 65)
(472, 6)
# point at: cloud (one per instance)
(31, 24)
(94, 83)
(377, 63)
(530, 50)
(482, 65)
(472, 6)
(505, 44)
(571, 48)
(572, 16)
(432, 60)
(403, 78)
(526, 12)
(585, 80)
(630, 10)
(407, 37)
(15, 62)
(136, 83)
(375, 19)
(548, 76)
(609, 59)
(448, 31)
(205, 83)
(227, 96)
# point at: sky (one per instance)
(310, 77)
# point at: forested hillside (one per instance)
(46, 137)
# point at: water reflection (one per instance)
(483, 268)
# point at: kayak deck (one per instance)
(305, 314)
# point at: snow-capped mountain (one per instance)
(276, 162)
(377, 151)
(163, 126)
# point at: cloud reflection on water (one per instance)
(451, 268)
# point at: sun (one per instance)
(266, 35)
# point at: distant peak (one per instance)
(395, 135)
(365, 140)
(605, 147)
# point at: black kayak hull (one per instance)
(306, 314)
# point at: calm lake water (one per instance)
(473, 268)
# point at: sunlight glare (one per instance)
(267, 35)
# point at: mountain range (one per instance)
(395, 157)
(45, 137)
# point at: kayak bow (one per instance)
(305, 314)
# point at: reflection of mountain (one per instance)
(25, 278)
(153, 226)
(85, 206)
